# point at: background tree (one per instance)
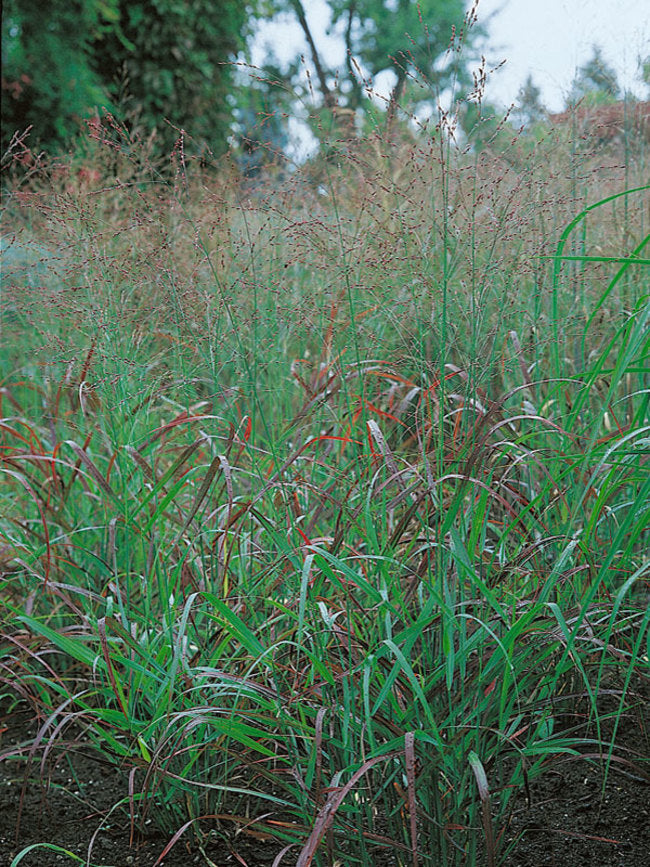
(530, 109)
(48, 80)
(406, 37)
(65, 59)
(596, 81)
(263, 104)
(174, 62)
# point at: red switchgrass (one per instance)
(336, 601)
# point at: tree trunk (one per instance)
(329, 98)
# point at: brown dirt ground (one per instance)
(571, 820)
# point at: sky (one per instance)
(547, 38)
(551, 38)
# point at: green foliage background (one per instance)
(160, 66)
(62, 61)
(48, 80)
(173, 60)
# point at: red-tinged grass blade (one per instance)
(183, 418)
(147, 471)
(21, 480)
(277, 861)
(379, 438)
(117, 689)
(247, 421)
(325, 437)
(179, 833)
(132, 774)
(77, 464)
(5, 392)
(222, 817)
(383, 413)
(28, 442)
(306, 387)
(327, 814)
(36, 658)
(318, 746)
(486, 814)
(634, 767)
(409, 755)
(40, 735)
(215, 464)
(87, 360)
(94, 472)
(236, 626)
(176, 472)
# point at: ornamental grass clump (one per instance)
(324, 509)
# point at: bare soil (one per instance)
(577, 814)
(569, 817)
(69, 806)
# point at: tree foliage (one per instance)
(172, 58)
(530, 108)
(48, 80)
(403, 36)
(406, 37)
(596, 81)
(165, 65)
(149, 61)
